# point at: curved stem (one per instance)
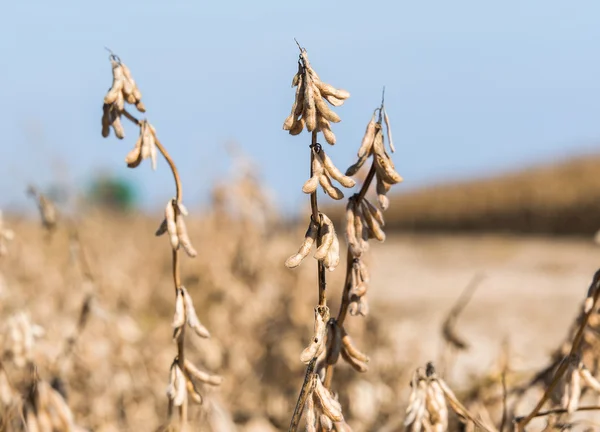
(163, 151)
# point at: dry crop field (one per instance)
(230, 319)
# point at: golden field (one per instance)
(260, 314)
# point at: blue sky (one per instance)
(473, 88)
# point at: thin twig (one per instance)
(561, 411)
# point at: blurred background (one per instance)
(494, 108)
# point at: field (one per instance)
(259, 313)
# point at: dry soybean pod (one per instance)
(389, 130)
(305, 247)
(310, 111)
(334, 172)
(368, 137)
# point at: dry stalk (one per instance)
(573, 359)
(183, 376)
(364, 221)
(311, 111)
(452, 341)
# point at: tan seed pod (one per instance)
(359, 290)
(436, 406)
(179, 394)
(298, 101)
(329, 188)
(171, 224)
(296, 79)
(146, 139)
(342, 427)
(385, 169)
(383, 163)
(353, 307)
(332, 259)
(375, 212)
(117, 85)
(191, 316)
(317, 170)
(179, 316)
(389, 130)
(309, 239)
(363, 306)
(298, 127)
(326, 422)
(333, 100)
(193, 392)
(327, 234)
(134, 157)
(184, 239)
(362, 230)
(140, 106)
(120, 102)
(382, 189)
(310, 414)
(589, 379)
(310, 111)
(63, 417)
(367, 142)
(320, 330)
(353, 169)
(322, 107)
(334, 172)
(573, 391)
(356, 364)
(363, 272)
(374, 227)
(31, 422)
(205, 377)
(351, 349)
(327, 89)
(331, 408)
(182, 208)
(118, 127)
(325, 128)
(351, 239)
(130, 87)
(416, 410)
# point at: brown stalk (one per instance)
(314, 207)
(562, 411)
(595, 291)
